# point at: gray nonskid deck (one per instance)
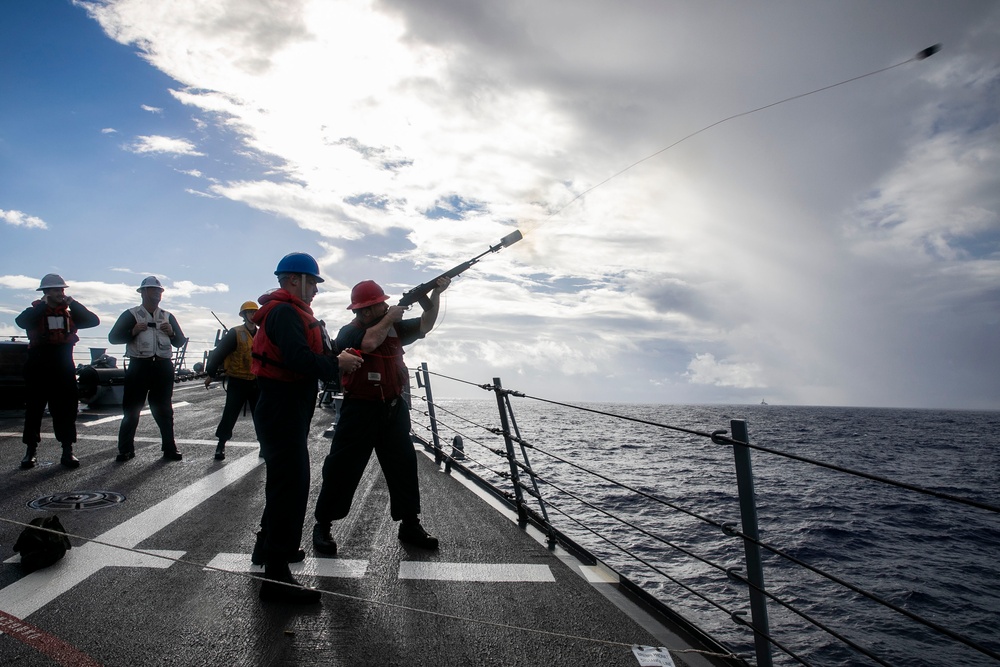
(476, 600)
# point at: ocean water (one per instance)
(932, 557)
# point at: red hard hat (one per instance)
(366, 293)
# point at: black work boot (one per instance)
(68, 459)
(323, 541)
(412, 533)
(220, 451)
(29, 459)
(280, 586)
(172, 454)
(259, 549)
(257, 556)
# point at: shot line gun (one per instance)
(420, 292)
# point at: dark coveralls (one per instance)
(49, 372)
(239, 392)
(151, 377)
(283, 420)
(365, 425)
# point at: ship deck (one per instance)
(160, 573)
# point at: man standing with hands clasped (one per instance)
(291, 354)
(148, 332)
(375, 415)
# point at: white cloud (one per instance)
(19, 282)
(146, 107)
(810, 248)
(937, 201)
(19, 219)
(160, 144)
(705, 369)
(186, 289)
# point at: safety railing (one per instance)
(90, 348)
(769, 603)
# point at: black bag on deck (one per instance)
(40, 548)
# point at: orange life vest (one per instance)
(267, 360)
(55, 327)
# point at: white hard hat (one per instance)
(151, 281)
(51, 280)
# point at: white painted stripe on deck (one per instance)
(340, 568)
(115, 418)
(410, 569)
(190, 384)
(133, 559)
(32, 592)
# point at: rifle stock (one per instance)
(420, 292)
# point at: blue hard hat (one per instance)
(298, 262)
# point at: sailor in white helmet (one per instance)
(148, 333)
(49, 373)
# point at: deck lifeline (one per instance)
(191, 600)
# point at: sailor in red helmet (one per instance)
(291, 353)
(375, 415)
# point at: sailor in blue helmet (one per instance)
(291, 353)
(49, 373)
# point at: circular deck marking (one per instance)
(78, 500)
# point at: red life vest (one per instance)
(382, 375)
(267, 360)
(54, 327)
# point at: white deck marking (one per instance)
(114, 418)
(341, 568)
(191, 385)
(409, 569)
(32, 592)
(129, 558)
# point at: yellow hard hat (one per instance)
(248, 305)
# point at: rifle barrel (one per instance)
(422, 289)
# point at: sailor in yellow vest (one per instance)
(233, 355)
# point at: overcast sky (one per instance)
(842, 248)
